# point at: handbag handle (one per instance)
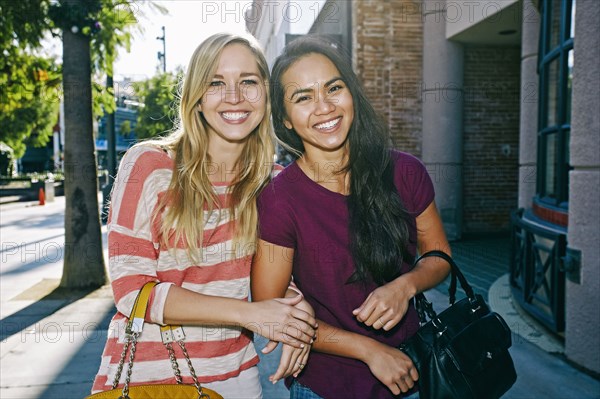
(169, 334)
(138, 312)
(455, 272)
(423, 305)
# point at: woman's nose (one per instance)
(232, 94)
(325, 105)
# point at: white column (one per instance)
(582, 342)
(442, 95)
(528, 125)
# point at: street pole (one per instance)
(111, 153)
(163, 56)
(111, 137)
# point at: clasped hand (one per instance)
(385, 306)
(280, 320)
(293, 359)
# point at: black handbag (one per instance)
(463, 351)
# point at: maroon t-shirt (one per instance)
(296, 212)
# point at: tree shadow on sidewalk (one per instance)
(75, 379)
(48, 304)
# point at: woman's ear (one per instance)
(288, 124)
(199, 106)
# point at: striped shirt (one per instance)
(136, 257)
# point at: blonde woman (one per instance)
(184, 214)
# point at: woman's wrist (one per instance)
(406, 283)
(305, 306)
(292, 292)
(367, 349)
(241, 313)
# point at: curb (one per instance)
(520, 323)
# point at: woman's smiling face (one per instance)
(235, 102)
(318, 103)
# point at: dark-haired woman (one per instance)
(345, 220)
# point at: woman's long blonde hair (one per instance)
(190, 191)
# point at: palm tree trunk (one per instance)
(83, 259)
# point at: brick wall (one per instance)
(491, 137)
(387, 55)
(387, 52)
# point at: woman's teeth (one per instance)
(328, 125)
(234, 116)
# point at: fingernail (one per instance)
(302, 345)
(275, 382)
(311, 341)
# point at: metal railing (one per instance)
(537, 277)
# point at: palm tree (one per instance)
(83, 259)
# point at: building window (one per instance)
(556, 73)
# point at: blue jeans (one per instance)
(299, 391)
(412, 396)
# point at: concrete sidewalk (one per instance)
(51, 344)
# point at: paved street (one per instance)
(51, 342)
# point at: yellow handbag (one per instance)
(169, 335)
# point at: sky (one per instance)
(187, 23)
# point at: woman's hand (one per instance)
(392, 367)
(386, 305)
(279, 320)
(292, 360)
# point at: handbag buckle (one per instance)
(475, 305)
(437, 323)
(137, 324)
(171, 334)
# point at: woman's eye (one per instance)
(302, 99)
(216, 83)
(249, 82)
(335, 88)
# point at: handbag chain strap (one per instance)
(168, 334)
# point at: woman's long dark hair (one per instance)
(378, 220)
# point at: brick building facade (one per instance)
(491, 137)
(391, 69)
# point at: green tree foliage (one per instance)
(30, 99)
(22, 23)
(159, 113)
(125, 128)
(29, 82)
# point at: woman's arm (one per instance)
(271, 273)
(386, 305)
(270, 277)
(276, 319)
(389, 365)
